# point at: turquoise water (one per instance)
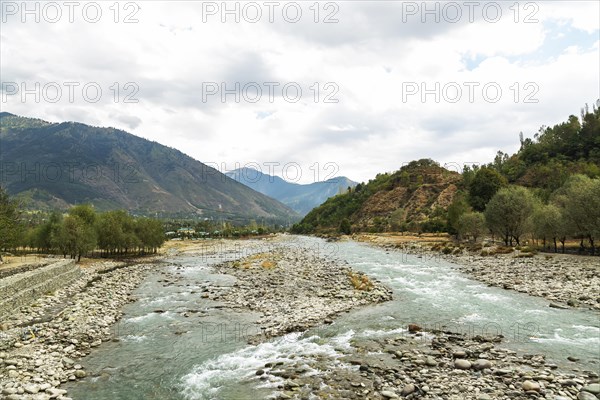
(204, 355)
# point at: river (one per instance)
(194, 349)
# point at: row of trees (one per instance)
(80, 232)
(83, 230)
(573, 211)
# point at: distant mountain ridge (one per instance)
(54, 165)
(301, 198)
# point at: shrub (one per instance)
(503, 250)
(360, 281)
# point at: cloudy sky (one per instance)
(337, 88)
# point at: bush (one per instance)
(503, 250)
(360, 281)
(345, 227)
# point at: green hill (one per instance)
(55, 165)
(423, 196)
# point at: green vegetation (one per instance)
(579, 204)
(548, 191)
(345, 227)
(548, 224)
(471, 225)
(10, 229)
(484, 186)
(80, 232)
(418, 175)
(508, 213)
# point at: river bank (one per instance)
(43, 344)
(427, 365)
(566, 281)
(290, 284)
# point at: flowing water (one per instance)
(204, 355)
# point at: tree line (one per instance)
(79, 232)
(558, 169)
(514, 212)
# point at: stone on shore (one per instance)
(462, 364)
(531, 386)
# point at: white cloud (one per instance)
(371, 55)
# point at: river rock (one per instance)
(586, 396)
(389, 395)
(462, 364)
(593, 388)
(79, 373)
(54, 393)
(459, 354)
(408, 389)
(31, 389)
(482, 364)
(530, 386)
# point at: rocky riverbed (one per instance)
(432, 365)
(296, 289)
(40, 346)
(291, 289)
(565, 280)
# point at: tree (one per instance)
(484, 186)
(10, 228)
(76, 237)
(472, 225)
(46, 235)
(345, 227)
(110, 231)
(150, 233)
(456, 209)
(579, 201)
(508, 213)
(85, 212)
(548, 224)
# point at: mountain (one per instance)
(54, 165)
(413, 197)
(301, 198)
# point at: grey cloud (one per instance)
(130, 121)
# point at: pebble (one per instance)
(482, 364)
(530, 386)
(462, 364)
(593, 388)
(408, 389)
